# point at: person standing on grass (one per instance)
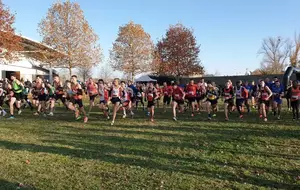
(92, 92)
(116, 93)
(177, 100)
(191, 90)
(167, 93)
(42, 96)
(140, 96)
(295, 99)
(201, 92)
(288, 95)
(264, 100)
(104, 97)
(278, 93)
(228, 95)
(151, 94)
(212, 100)
(17, 89)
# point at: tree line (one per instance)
(65, 29)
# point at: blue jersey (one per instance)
(277, 91)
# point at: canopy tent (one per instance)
(145, 78)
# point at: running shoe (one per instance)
(50, 114)
(85, 120)
(174, 118)
(11, 117)
(78, 118)
(19, 112)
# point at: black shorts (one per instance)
(114, 100)
(92, 97)
(167, 100)
(103, 102)
(179, 102)
(191, 99)
(295, 103)
(78, 102)
(51, 97)
(230, 102)
(212, 102)
(150, 104)
(239, 102)
(42, 97)
(18, 96)
(266, 102)
(60, 97)
(2, 100)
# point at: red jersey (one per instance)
(92, 88)
(191, 90)
(167, 90)
(159, 92)
(228, 93)
(264, 93)
(295, 94)
(178, 93)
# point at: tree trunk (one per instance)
(70, 71)
(132, 77)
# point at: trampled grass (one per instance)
(60, 153)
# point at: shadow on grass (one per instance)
(6, 185)
(117, 150)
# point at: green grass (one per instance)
(135, 154)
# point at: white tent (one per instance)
(145, 78)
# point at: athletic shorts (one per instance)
(278, 101)
(18, 96)
(179, 102)
(60, 97)
(78, 102)
(103, 102)
(230, 102)
(212, 102)
(150, 104)
(42, 97)
(114, 100)
(239, 102)
(167, 100)
(92, 97)
(191, 99)
(2, 100)
(295, 103)
(125, 103)
(266, 102)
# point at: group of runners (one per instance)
(264, 96)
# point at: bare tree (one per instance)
(84, 72)
(294, 56)
(106, 72)
(275, 52)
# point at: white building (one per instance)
(31, 62)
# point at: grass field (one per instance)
(60, 153)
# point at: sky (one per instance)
(230, 31)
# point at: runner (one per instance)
(92, 92)
(76, 99)
(104, 96)
(25, 92)
(126, 99)
(116, 93)
(151, 94)
(50, 98)
(201, 92)
(241, 94)
(278, 93)
(191, 90)
(2, 98)
(167, 91)
(177, 100)
(59, 90)
(228, 95)
(41, 96)
(159, 94)
(264, 99)
(140, 96)
(295, 99)
(212, 100)
(17, 88)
